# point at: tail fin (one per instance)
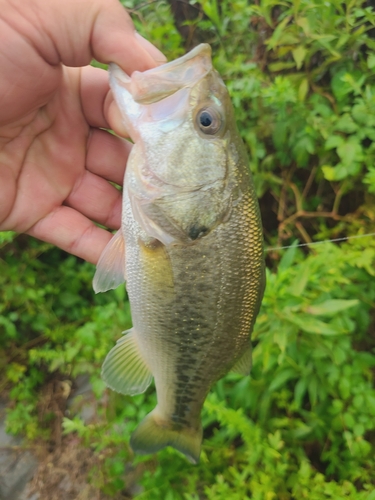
(153, 434)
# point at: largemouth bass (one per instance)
(193, 262)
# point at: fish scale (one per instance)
(194, 263)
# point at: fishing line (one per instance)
(314, 243)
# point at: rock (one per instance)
(81, 401)
(17, 465)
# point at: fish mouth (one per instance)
(158, 83)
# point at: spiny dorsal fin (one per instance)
(124, 369)
(110, 270)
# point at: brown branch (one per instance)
(307, 187)
(328, 96)
(303, 213)
(338, 196)
(297, 196)
(305, 235)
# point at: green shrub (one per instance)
(302, 82)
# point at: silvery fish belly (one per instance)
(193, 252)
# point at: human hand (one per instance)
(55, 161)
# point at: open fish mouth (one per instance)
(158, 83)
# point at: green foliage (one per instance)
(50, 320)
(303, 88)
(301, 77)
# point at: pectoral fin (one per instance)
(124, 369)
(243, 365)
(110, 270)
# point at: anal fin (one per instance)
(124, 369)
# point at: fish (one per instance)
(190, 247)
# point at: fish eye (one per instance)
(205, 119)
(209, 120)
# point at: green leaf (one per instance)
(300, 390)
(346, 124)
(302, 432)
(7, 236)
(333, 141)
(299, 55)
(310, 324)
(280, 66)
(299, 284)
(210, 8)
(303, 89)
(74, 425)
(288, 257)
(9, 327)
(342, 83)
(344, 387)
(369, 179)
(312, 389)
(15, 372)
(349, 152)
(362, 114)
(328, 172)
(335, 173)
(305, 25)
(371, 61)
(331, 307)
(281, 378)
(277, 34)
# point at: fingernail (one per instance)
(155, 53)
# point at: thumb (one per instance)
(114, 39)
(75, 31)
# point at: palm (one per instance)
(46, 156)
(55, 156)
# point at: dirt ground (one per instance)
(66, 468)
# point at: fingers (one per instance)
(107, 155)
(114, 118)
(155, 53)
(98, 104)
(74, 32)
(8, 192)
(114, 40)
(69, 227)
(92, 195)
(96, 199)
(72, 232)
(94, 89)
